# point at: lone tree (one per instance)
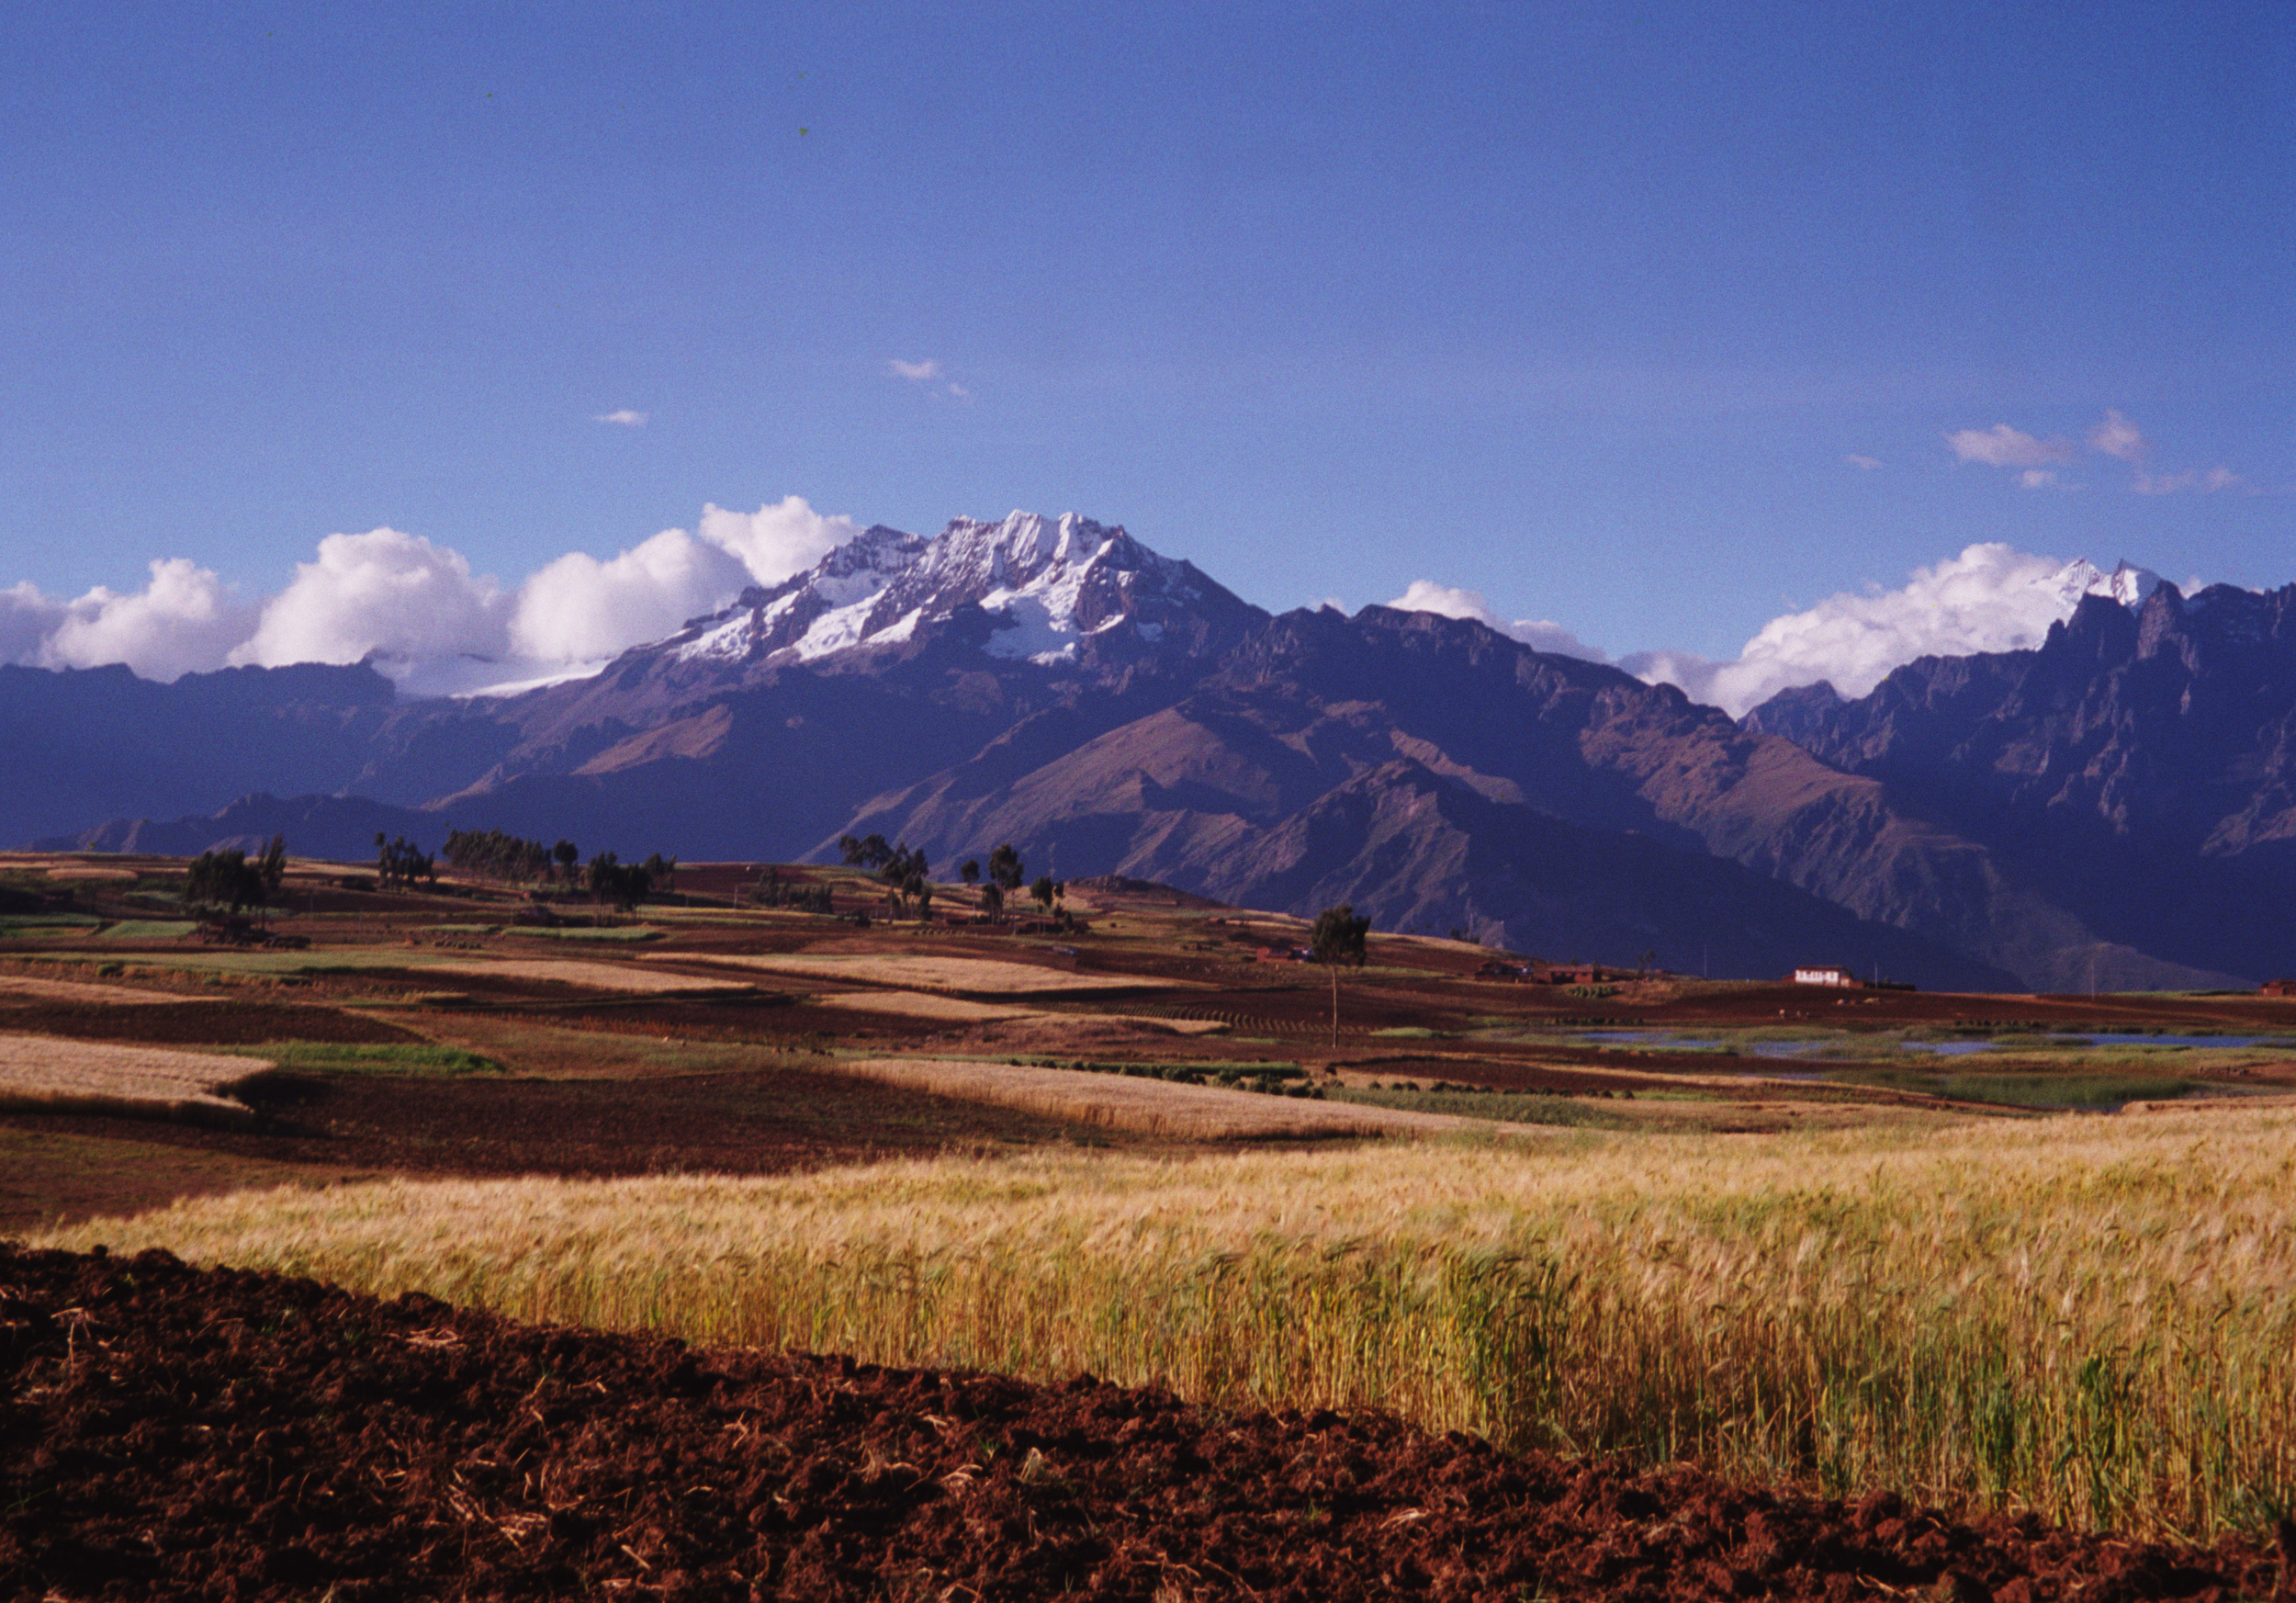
(1338, 938)
(623, 885)
(400, 862)
(1006, 870)
(565, 855)
(223, 880)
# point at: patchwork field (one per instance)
(967, 975)
(2025, 1256)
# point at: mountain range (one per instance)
(2112, 809)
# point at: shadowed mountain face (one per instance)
(1058, 685)
(2139, 769)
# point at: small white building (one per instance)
(1828, 976)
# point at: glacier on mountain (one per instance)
(1046, 584)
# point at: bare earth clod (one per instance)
(181, 1433)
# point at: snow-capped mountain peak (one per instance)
(1046, 584)
(2127, 583)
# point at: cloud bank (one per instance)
(417, 610)
(1989, 598)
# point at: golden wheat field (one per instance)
(2088, 1316)
(41, 1072)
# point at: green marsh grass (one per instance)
(148, 930)
(2087, 1317)
(399, 1058)
(46, 923)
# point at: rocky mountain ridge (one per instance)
(2139, 766)
(1057, 684)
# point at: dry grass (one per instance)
(41, 1074)
(2091, 1316)
(607, 977)
(69, 990)
(1152, 1107)
(969, 976)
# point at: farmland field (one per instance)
(2088, 1318)
(2029, 1256)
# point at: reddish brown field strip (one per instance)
(174, 1433)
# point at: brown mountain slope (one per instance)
(1197, 793)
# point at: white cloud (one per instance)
(777, 539)
(579, 609)
(1990, 598)
(960, 391)
(26, 619)
(625, 417)
(380, 592)
(923, 372)
(1539, 634)
(2040, 479)
(2215, 479)
(182, 621)
(2003, 446)
(2117, 436)
(1864, 464)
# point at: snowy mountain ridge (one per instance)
(1046, 585)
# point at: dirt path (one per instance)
(174, 1433)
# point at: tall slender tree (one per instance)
(1338, 939)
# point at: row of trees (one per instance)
(1006, 875)
(498, 854)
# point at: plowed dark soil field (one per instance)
(174, 1433)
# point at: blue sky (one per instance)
(1588, 309)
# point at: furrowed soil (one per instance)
(177, 1433)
